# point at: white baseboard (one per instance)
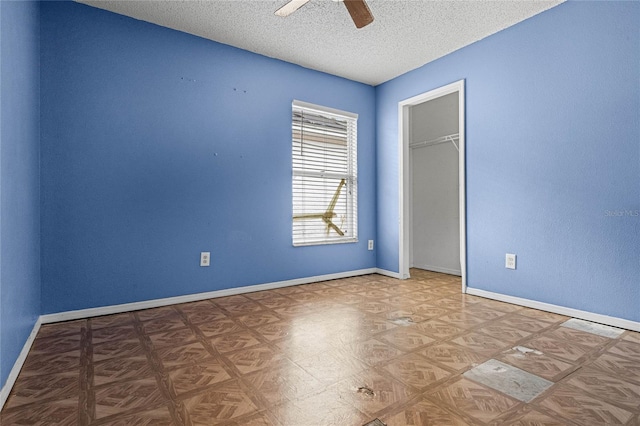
(17, 366)
(155, 303)
(388, 273)
(570, 312)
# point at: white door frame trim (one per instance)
(404, 178)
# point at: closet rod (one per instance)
(453, 138)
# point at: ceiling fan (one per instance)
(358, 10)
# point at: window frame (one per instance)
(350, 177)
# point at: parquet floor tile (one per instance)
(110, 334)
(579, 337)
(192, 378)
(371, 325)
(155, 313)
(480, 343)
(275, 330)
(371, 393)
(198, 316)
(258, 318)
(374, 293)
(119, 369)
(57, 344)
(416, 370)
(535, 362)
(61, 329)
(536, 418)
(505, 307)
(226, 402)
(375, 307)
(625, 349)
(169, 322)
(331, 366)
(542, 315)
(562, 349)
(484, 313)
(50, 363)
(461, 319)
(219, 326)
(454, 303)
(453, 356)
(131, 396)
(156, 417)
(62, 412)
(574, 404)
(617, 366)
(275, 302)
(242, 308)
(260, 419)
(260, 295)
(117, 349)
(420, 296)
(406, 338)
(308, 296)
(255, 358)
(526, 323)
(294, 311)
(340, 352)
(319, 409)
(478, 401)
(600, 384)
(505, 333)
(423, 413)
(38, 389)
(176, 356)
(299, 347)
(428, 310)
(373, 351)
(438, 329)
(631, 336)
(285, 383)
(174, 337)
(409, 313)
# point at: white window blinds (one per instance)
(325, 180)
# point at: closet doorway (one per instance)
(432, 207)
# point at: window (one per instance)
(325, 180)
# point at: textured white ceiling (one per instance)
(405, 35)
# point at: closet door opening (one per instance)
(435, 208)
(432, 230)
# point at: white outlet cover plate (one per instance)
(510, 261)
(205, 258)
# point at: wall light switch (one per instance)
(205, 258)
(510, 261)
(370, 245)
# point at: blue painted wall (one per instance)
(553, 157)
(19, 178)
(157, 145)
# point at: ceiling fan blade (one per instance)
(291, 7)
(359, 12)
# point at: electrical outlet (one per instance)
(205, 258)
(370, 246)
(510, 261)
